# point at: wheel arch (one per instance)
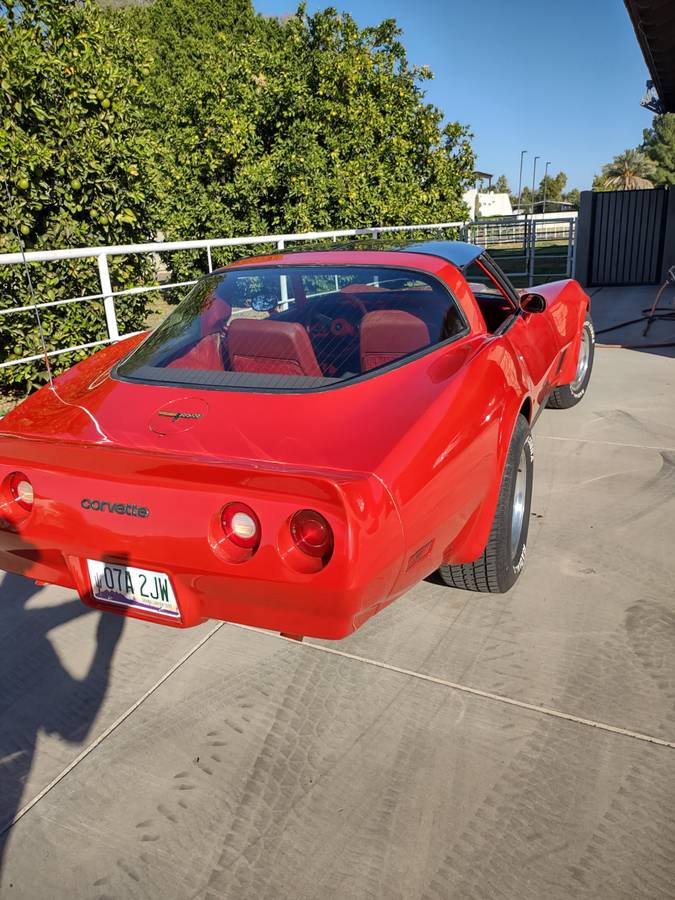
(473, 538)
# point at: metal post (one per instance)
(545, 177)
(520, 177)
(533, 244)
(208, 258)
(571, 236)
(534, 176)
(108, 299)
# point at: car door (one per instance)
(531, 335)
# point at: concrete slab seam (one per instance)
(575, 440)
(476, 692)
(108, 731)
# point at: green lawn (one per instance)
(550, 262)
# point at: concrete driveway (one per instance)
(458, 746)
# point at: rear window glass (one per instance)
(295, 327)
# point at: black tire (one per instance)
(503, 559)
(569, 395)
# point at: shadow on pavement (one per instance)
(37, 693)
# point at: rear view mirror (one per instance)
(532, 303)
(264, 303)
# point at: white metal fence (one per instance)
(521, 236)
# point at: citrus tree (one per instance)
(79, 164)
(304, 124)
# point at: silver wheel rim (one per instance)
(518, 509)
(584, 357)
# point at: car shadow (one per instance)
(37, 693)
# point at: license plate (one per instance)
(135, 588)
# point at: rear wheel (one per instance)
(569, 395)
(504, 556)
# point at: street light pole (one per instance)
(520, 177)
(534, 175)
(545, 177)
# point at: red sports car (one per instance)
(303, 439)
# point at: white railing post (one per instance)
(283, 280)
(208, 258)
(108, 299)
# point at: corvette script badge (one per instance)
(178, 415)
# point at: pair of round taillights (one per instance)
(310, 531)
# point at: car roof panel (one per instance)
(459, 253)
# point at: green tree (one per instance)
(79, 163)
(659, 145)
(628, 171)
(310, 123)
(573, 197)
(553, 186)
(501, 185)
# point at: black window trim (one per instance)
(501, 278)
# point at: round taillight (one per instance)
(241, 525)
(312, 534)
(21, 490)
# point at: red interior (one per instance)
(271, 347)
(389, 334)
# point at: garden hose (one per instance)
(649, 315)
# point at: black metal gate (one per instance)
(626, 236)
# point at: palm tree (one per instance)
(628, 171)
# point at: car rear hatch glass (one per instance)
(296, 328)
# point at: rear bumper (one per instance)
(53, 543)
(327, 607)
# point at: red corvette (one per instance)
(303, 439)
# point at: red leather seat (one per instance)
(271, 347)
(210, 351)
(206, 354)
(389, 334)
(215, 314)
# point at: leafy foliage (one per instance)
(203, 119)
(572, 197)
(659, 146)
(308, 124)
(79, 165)
(501, 185)
(628, 171)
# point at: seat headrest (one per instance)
(389, 334)
(271, 347)
(206, 354)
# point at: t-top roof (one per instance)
(458, 253)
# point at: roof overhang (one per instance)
(654, 24)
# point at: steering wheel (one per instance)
(320, 325)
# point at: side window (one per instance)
(494, 302)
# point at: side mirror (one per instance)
(532, 303)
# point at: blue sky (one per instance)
(560, 79)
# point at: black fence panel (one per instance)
(626, 236)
